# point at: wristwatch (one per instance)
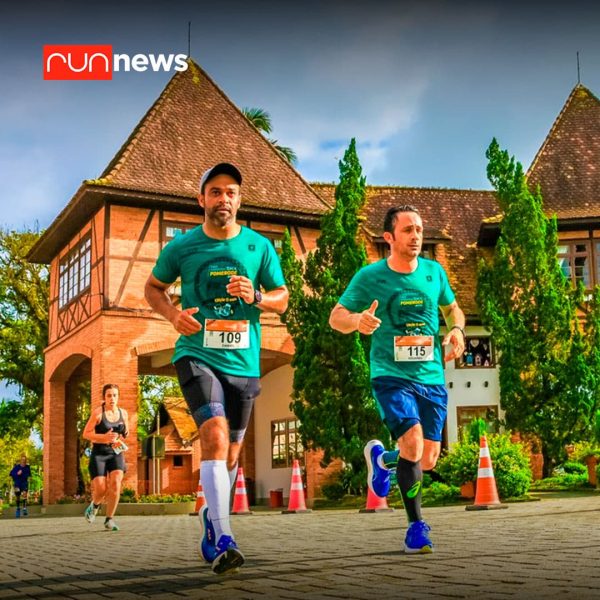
(257, 297)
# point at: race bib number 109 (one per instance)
(226, 335)
(408, 348)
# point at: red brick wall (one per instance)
(316, 475)
(177, 480)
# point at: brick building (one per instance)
(103, 244)
(175, 471)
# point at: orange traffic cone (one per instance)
(486, 494)
(296, 503)
(199, 497)
(200, 502)
(240, 499)
(375, 504)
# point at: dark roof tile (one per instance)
(567, 166)
(192, 126)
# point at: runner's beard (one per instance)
(220, 219)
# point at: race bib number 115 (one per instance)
(409, 348)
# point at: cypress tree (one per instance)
(545, 333)
(331, 396)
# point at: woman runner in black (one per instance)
(106, 429)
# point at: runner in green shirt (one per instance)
(222, 266)
(396, 301)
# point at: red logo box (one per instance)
(78, 62)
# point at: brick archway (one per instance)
(61, 436)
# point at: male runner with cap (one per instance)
(222, 266)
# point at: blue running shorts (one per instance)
(402, 404)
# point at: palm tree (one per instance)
(262, 121)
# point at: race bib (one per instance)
(408, 348)
(226, 335)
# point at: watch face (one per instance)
(257, 296)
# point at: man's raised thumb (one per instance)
(373, 307)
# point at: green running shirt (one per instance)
(205, 265)
(408, 306)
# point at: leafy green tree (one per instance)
(84, 409)
(23, 331)
(549, 356)
(262, 121)
(331, 394)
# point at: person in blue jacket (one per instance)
(20, 474)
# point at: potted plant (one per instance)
(588, 452)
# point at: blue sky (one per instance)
(422, 86)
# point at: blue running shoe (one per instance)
(378, 478)
(229, 557)
(417, 539)
(208, 547)
(17, 513)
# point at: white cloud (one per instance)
(367, 79)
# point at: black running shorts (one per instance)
(102, 464)
(210, 393)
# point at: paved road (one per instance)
(548, 549)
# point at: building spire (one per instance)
(578, 71)
(190, 40)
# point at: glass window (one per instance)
(465, 414)
(285, 443)
(276, 238)
(74, 272)
(173, 228)
(178, 460)
(383, 249)
(574, 259)
(478, 353)
(428, 251)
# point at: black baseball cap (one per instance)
(220, 169)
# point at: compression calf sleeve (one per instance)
(410, 478)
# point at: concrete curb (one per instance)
(125, 508)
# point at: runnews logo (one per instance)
(97, 62)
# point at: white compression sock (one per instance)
(215, 484)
